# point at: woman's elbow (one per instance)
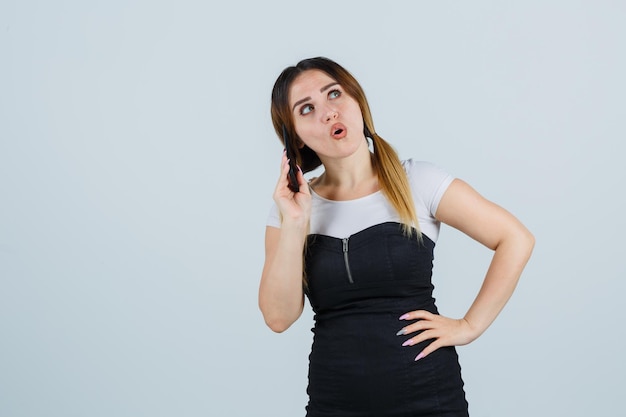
(278, 322)
(277, 325)
(279, 317)
(527, 241)
(530, 240)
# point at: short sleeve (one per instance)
(429, 182)
(273, 218)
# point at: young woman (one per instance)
(358, 240)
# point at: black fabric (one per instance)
(358, 288)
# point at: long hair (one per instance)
(391, 175)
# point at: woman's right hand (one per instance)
(294, 207)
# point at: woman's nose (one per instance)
(331, 114)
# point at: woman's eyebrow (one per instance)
(326, 87)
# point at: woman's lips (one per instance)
(338, 131)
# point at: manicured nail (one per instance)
(401, 332)
(404, 317)
(408, 343)
(420, 356)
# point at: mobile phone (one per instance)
(291, 177)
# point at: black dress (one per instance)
(358, 288)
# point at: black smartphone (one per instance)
(292, 178)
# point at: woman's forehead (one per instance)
(307, 83)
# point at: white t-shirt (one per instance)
(342, 219)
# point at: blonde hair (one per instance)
(392, 178)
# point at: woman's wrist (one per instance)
(296, 224)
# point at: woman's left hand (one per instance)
(445, 331)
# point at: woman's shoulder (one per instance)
(428, 182)
(420, 169)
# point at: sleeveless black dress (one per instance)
(358, 288)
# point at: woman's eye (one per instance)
(334, 94)
(307, 108)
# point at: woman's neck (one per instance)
(347, 178)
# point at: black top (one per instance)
(358, 288)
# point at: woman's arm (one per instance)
(464, 209)
(281, 298)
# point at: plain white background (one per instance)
(137, 163)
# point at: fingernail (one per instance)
(404, 317)
(420, 356)
(408, 343)
(401, 332)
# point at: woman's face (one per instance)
(326, 118)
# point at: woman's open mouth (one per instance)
(338, 131)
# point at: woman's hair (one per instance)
(391, 175)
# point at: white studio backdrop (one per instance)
(137, 163)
